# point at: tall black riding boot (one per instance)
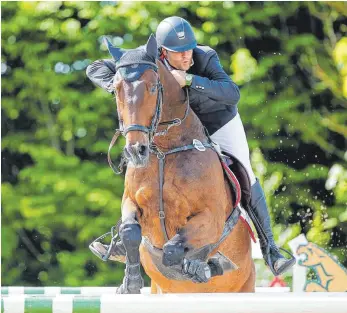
(260, 217)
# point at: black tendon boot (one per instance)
(260, 217)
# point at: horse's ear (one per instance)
(114, 51)
(152, 47)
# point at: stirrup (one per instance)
(114, 237)
(290, 262)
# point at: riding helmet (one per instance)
(175, 34)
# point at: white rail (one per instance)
(180, 303)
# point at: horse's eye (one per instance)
(153, 89)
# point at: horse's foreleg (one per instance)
(202, 229)
(130, 234)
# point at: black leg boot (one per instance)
(259, 214)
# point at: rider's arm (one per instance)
(101, 73)
(217, 85)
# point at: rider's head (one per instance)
(176, 38)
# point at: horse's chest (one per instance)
(182, 185)
(148, 197)
(174, 195)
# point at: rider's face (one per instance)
(179, 60)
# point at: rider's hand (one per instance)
(180, 76)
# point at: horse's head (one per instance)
(139, 98)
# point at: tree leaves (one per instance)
(289, 60)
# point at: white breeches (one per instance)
(232, 139)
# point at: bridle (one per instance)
(151, 131)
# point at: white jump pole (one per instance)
(93, 291)
(180, 303)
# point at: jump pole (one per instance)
(178, 303)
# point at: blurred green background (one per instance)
(58, 193)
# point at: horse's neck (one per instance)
(174, 106)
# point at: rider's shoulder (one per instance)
(203, 51)
(202, 54)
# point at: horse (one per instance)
(177, 207)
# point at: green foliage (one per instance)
(58, 192)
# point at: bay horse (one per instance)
(177, 206)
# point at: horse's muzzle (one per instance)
(137, 153)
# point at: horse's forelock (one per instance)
(134, 56)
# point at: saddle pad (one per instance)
(234, 183)
(247, 221)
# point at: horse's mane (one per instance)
(173, 93)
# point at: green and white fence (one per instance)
(177, 303)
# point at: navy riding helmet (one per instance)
(175, 34)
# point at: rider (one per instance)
(213, 97)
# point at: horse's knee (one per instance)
(130, 234)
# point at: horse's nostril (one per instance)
(142, 150)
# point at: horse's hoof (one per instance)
(197, 270)
(126, 290)
(132, 286)
(173, 254)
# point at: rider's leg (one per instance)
(232, 139)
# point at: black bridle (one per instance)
(151, 131)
